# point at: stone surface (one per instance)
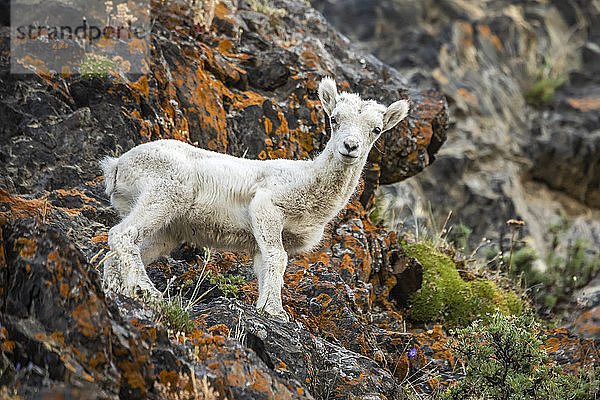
(56, 323)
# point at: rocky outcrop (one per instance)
(245, 86)
(56, 324)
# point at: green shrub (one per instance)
(503, 360)
(522, 261)
(445, 296)
(174, 311)
(459, 236)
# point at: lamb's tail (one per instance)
(109, 167)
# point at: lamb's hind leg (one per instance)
(150, 215)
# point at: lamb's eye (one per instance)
(333, 121)
(377, 130)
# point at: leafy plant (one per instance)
(175, 311)
(503, 360)
(550, 72)
(541, 93)
(228, 284)
(175, 315)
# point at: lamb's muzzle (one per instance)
(169, 191)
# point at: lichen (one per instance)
(96, 66)
(264, 7)
(445, 296)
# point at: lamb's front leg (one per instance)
(270, 263)
(269, 268)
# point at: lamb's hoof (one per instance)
(112, 284)
(278, 314)
(145, 294)
(112, 281)
(283, 316)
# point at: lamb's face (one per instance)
(356, 124)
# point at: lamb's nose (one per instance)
(350, 144)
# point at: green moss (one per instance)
(541, 93)
(445, 296)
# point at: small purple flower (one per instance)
(30, 365)
(412, 353)
(18, 366)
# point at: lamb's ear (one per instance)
(395, 113)
(328, 94)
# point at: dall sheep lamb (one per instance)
(168, 191)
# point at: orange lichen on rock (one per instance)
(247, 99)
(260, 381)
(585, 104)
(486, 32)
(468, 96)
(141, 86)
(587, 324)
(27, 247)
(133, 378)
(76, 191)
(571, 351)
(7, 345)
(100, 239)
(169, 378)
(22, 208)
(221, 329)
(64, 290)
(147, 128)
(438, 342)
(82, 315)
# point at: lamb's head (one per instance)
(355, 123)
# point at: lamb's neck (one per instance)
(338, 180)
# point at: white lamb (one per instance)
(168, 191)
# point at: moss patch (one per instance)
(445, 296)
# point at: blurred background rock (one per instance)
(522, 80)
